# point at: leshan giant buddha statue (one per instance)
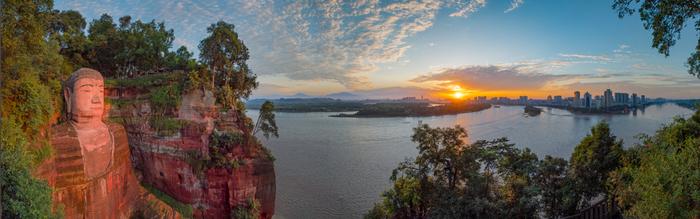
(90, 172)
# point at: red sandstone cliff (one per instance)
(208, 163)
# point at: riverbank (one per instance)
(414, 110)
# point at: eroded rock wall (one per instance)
(182, 165)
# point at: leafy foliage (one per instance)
(226, 55)
(597, 155)
(492, 179)
(556, 189)
(250, 211)
(661, 179)
(266, 121)
(22, 195)
(452, 179)
(32, 69)
(666, 18)
(128, 48)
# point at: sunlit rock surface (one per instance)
(176, 164)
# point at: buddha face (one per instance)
(86, 98)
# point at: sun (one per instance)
(458, 95)
(457, 92)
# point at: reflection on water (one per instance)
(338, 167)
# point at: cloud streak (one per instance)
(492, 77)
(337, 41)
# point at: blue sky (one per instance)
(495, 48)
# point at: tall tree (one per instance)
(102, 34)
(266, 120)
(552, 181)
(666, 18)
(66, 27)
(128, 48)
(597, 155)
(226, 56)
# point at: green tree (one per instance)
(226, 55)
(666, 18)
(266, 120)
(29, 86)
(552, 180)
(102, 33)
(598, 154)
(452, 179)
(22, 195)
(128, 48)
(181, 59)
(66, 27)
(660, 178)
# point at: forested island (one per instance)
(415, 109)
(305, 105)
(532, 111)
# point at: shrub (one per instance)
(165, 126)
(184, 209)
(250, 211)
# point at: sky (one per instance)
(428, 48)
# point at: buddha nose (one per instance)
(96, 99)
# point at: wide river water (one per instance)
(338, 167)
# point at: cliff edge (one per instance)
(189, 152)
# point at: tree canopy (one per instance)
(660, 178)
(226, 55)
(666, 18)
(266, 120)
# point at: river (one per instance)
(338, 167)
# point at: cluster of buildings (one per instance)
(608, 99)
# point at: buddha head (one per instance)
(84, 96)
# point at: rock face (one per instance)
(216, 180)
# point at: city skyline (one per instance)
(493, 48)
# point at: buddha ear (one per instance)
(66, 97)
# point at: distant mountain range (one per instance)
(381, 93)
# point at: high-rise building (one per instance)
(643, 100)
(622, 98)
(558, 100)
(523, 100)
(607, 98)
(577, 98)
(587, 100)
(635, 100)
(549, 98)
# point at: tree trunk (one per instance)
(0, 200)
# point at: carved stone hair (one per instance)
(68, 85)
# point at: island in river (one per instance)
(532, 111)
(415, 109)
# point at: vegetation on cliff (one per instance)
(30, 89)
(42, 46)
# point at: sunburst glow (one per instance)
(457, 92)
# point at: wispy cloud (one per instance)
(513, 5)
(590, 57)
(336, 41)
(468, 7)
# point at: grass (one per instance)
(146, 81)
(184, 209)
(165, 126)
